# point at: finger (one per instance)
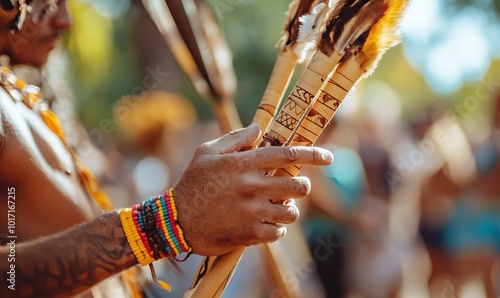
(255, 185)
(266, 233)
(281, 214)
(235, 140)
(270, 158)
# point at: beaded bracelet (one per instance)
(133, 238)
(153, 230)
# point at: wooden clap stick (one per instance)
(347, 23)
(337, 83)
(206, 286)
(214, 274)
(383, 35)
(301, 97)
(293, 51)
(302, 28)
(329, 99)
(278, 82)
(359, 17)
(353, 70)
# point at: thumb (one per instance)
(236, 140)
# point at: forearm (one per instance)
(68, 263)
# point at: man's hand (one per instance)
(223, 198)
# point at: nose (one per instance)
(62, 19)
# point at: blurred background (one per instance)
(411, 206)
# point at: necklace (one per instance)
(31, 96)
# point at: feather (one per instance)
(296, 9)
(310, 30)
(311, 21)
(304, 22)
(383, 35)
(350, 21)
(360, 22)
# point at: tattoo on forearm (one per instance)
(73, 261)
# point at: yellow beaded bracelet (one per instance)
(133, 238)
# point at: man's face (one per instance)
(39, 34)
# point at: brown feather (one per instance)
(296, 9)
(328, 36)
(383, 36)
(369, 13)
(354, 18)
(291, 30)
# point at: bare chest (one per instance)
(49, 194)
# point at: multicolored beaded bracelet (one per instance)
(153, 230)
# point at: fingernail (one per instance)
(326, 155)
(241, 129)
(254, 125)
(282, 232)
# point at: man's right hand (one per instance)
(224, 197)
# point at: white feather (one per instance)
(309, 23)
(310, 30)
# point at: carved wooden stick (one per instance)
(346, 23)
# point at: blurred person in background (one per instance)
(342, 210)
(472, 237)
(460, 219)
(436, 201)
(77, 250)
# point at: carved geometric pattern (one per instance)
(292, 105)
(303, 95)
(287, 120)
